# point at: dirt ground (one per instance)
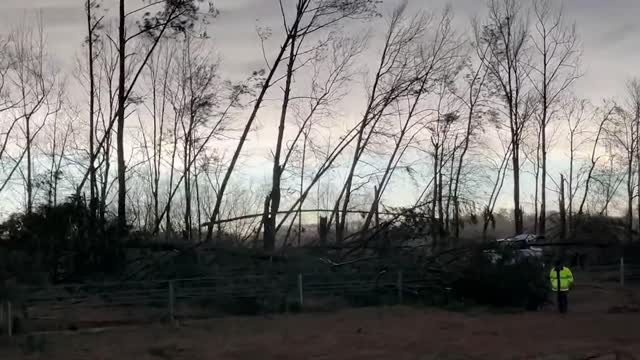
(603, 321)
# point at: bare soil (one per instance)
(604, 323)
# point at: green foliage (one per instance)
(53, 243)
(511, 281)
(411, 224)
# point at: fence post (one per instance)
(172, 298)
(300, 291)
(9, 320)
(622, 271)
(399, 285)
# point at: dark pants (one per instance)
(563, 302)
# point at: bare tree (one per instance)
(106, 100)
(554, 70)
(332, 74)
(59, 137)
(624, 133)
(389, 85)
(7, 108)
(195, 97)
(438, 62)
(391, 81)
(488, 213)
(472, 98)
(575, 113)
(176, 16)
(311, 16)
(633, 90)
(506, 34)
(442, 150)
(34, 82)
(603, 120)
(607, 179)
(159, 82)
(308, 19)
(94, 24)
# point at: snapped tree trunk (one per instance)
(563, 213)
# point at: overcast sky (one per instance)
(609, 31)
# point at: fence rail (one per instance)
(177, 298)
(195, 297)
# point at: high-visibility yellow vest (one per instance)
(566, 279)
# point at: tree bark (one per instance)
(516, 189)
(248, 126)
(563, 213)
(92, 170)
(122, 181)
(275, 195)
(594, 159)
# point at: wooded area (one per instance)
(148, 138)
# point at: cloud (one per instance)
(607, 28)
(57, 13)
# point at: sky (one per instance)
(609, 32)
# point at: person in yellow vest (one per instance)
(561, 282)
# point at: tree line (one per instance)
(149, 132)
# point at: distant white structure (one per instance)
(523, 243)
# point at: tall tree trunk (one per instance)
(187, 177)
(516, 187)
(93, 182)
(275, 195)
(122, 181)
(92, 170)
(435, 222)
(248, 126)
(543, 187)
(157, 150)
(29, 166)
(562, 208)
(341, 210)
(104, 191)
(637, 143)
(450, 196)
(198, 206)
(304, 158)
(536, 213)
(158, 137)
(169, 225)
(440, 192)
(52, 169)
(629, 224)
(465, 148)
(396, 155)
(536, 173)
(594, 160)
(571, 192)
